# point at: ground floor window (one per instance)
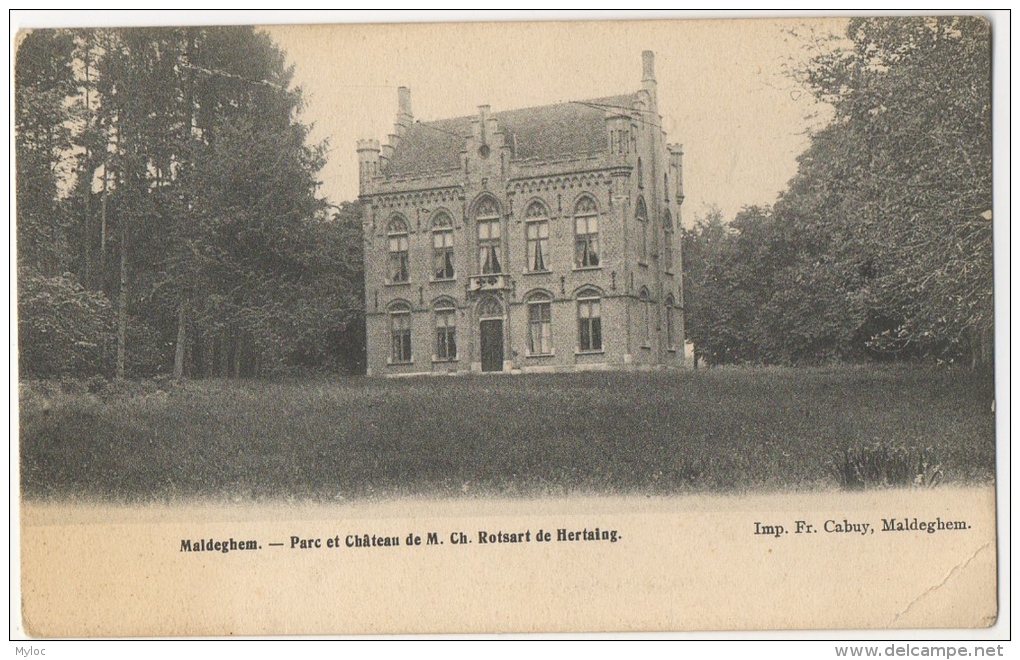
(400, 334)
(540, 327)
(446, 334)
(646, 325)
(589, 322)
(670, 327)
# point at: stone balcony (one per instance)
(494, 282)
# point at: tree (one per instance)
(910, 168)
(195, 180)
(43, 79)
(720, 291)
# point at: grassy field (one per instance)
(721, 430)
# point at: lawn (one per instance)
(718, 430)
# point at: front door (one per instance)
(492, 345)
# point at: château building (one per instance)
(540, 239)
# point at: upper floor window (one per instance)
(489, 237)
(539, 325)
(667, 245)
(670, 323)
(446, 332)
(642, 218)
(537, 233)
(400, 332)
(397, 232)
(442, 247)
(586, 233)
(589, 324)
(646, 324)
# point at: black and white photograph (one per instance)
(552, 327)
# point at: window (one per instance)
(589, 324)
(397, 233)
(586, 233)
(667, 247)
(537, 233)
(646, 327)
(489, 242)
(670, 328)
(446, 332)
(642, 218)
(442, 247)
(539, 325)
(400, 333)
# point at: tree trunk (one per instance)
(235, 354)
(224, 354)
(87, 169)
(122, 324)
(209, 363)
(182, 339)
(102, 235)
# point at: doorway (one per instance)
(492, 344)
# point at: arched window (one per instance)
(646, 313)
(640, 174)
(489, 237)
(446, 331)
(442, 247)
(536, 221)
(397, 232)
(667, 246)
(400, 333)
(540, 324)
(589, 323)
(642, 218)
(586, 233)
(670, 323)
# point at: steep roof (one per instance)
(543, 132)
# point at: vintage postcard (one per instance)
(634, 326)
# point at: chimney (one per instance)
(483, 124)
(648, 63)
(648, 79)
(404, 116)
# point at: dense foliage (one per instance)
(164, 178)
(881, 246)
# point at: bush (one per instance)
(63, 330)
(66, 331)
(881, 464)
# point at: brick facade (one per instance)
(543, 239)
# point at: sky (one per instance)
(724, 93)
(723, 90)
